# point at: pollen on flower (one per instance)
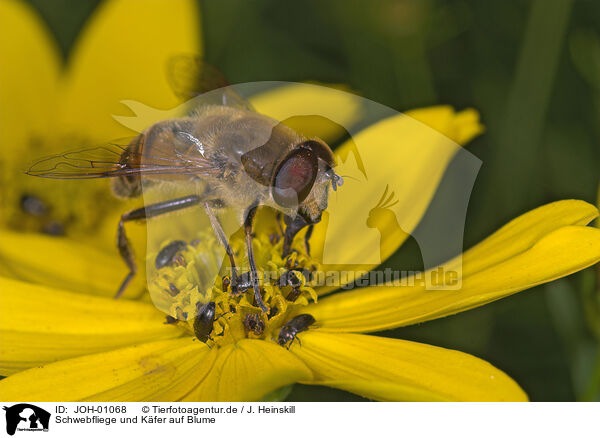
(285, 285)
(56, 206)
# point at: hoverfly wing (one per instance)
(189, 76)
(114, 159)
(93, 162)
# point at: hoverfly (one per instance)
(235, 157)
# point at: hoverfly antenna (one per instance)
(336, 180)
(348, 176)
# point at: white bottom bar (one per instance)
(306, 420)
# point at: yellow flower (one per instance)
(48, 107)
(64, 338)
(122, 350)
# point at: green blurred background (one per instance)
(532, 69)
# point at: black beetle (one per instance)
(294, 326)
(204, 320)
(254, 323)
(168, 253)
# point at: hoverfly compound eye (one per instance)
(295, 177)
(320, 148)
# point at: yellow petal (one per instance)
(524, 231)
(403, 159)
(157, 371)
(28, 80)
(122, 54)
(247, 371)
(106, 233)
(460, 127)
(598, 204)
(28, 76)
(64, 264)
(539, 246)
(295, 105)
(396, 370)
(40, 325)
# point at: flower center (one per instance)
(285, 286)
(50, 206)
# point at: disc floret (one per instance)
(285, 285)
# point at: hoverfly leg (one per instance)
(127, 255)
(218, 229)
(309, 232)
(279, 219)
(249, 217)
(293, 226)
(146, 212)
